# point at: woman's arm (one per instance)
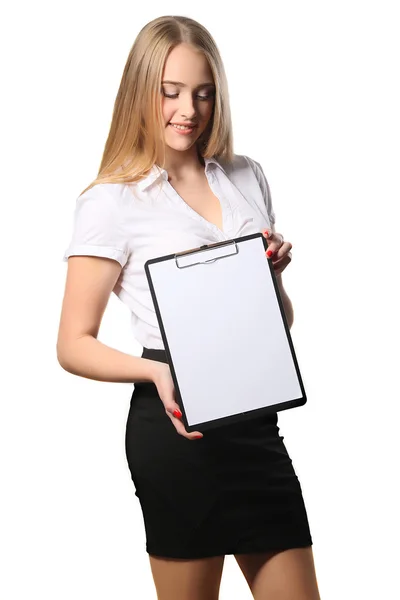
(287, 303)
(90, 281)
(88, 357)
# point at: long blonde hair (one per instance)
(134, 140)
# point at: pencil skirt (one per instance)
(233, 491)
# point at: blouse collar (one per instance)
(156, 172)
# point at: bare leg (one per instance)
(284, 575)
(183, 579)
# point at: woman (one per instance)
(168, 182)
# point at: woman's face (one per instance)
(189, 100)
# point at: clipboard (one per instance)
(225, 333)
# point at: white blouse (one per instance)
(134, 222)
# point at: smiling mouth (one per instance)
(182, 127)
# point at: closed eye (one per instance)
(198, 96)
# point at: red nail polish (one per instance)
(269, 253)
(177, 413)
(198, 437)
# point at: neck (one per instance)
(179, 164)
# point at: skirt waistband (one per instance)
(155, 354)
(160, 355)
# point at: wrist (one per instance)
(153, 369)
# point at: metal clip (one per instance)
(205, 249)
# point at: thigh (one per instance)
(187, 579)
(281, 575)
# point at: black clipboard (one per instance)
(186, 288)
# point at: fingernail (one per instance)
(266, 232)
(197, 437)
(177, 413)
(269, 253)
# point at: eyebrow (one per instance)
(206, 84)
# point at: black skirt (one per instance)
(234, 491)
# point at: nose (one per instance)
(187, 106)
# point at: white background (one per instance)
(315, 98)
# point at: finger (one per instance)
(281, 251)
(275, 241)
(179, 426)
(177, 412)
(267, 233)
(174, 410)
(281, 264)
(285, 260)
(271, 235)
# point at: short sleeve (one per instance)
(266, 192)
(98, 226)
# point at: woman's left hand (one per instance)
(278, 250)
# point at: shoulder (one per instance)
(243, 165)
(105, 192)
(248, 175)
(105, 199)
(245, 171)
(104, 206)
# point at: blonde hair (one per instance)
(134, 140)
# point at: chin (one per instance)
(180, 148)
(177, 144)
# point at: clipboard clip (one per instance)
(205, 248)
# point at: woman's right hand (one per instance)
(166, 390)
